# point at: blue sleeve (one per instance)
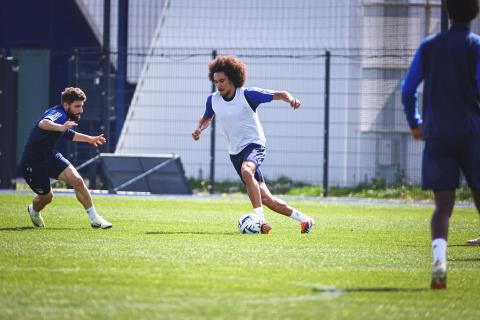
(209, 113)
(55, 116)
(256, 96)
(477, 70)
(69, 134)
(409, 90)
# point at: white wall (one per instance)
(282, 42)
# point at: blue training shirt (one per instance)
(449, 65)
(41, 143)
(254, 96)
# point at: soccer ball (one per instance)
(249, 223)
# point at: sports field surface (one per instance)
(183, 258)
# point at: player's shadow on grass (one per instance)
(17, 229)
(465, 259)
(33, 228)
(190, 232)
(380, 289)
(462, 245)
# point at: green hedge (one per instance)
(377, 189)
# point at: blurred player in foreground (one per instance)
(449, 65)
(236, 108)
(40, 161)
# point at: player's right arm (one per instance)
(49, 125)
(203, 124)
(205, 120)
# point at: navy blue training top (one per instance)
(41, 143)
(449, 65)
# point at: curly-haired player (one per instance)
(236, 108)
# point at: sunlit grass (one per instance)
(182, 258)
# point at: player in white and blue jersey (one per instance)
(448, 63)
(236, 108)
(40, 161)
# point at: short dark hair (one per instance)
(234, 69)
(462, 11)
(71, 94)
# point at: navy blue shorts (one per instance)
(254, 153)
(443, 159)
(37, 174)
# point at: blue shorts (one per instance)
(443, 159)
(254, 153)
(37, 174)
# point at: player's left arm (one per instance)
(256, 96)
(287, 97)
(93, 140)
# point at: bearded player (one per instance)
(40, 161)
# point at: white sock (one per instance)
(92, 213)
(35, 212)
(297, 215)
(439, 248)
(259, 212)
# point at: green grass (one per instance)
(182, 258)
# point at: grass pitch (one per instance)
(182, 258)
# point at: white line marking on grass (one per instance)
(346, 200)
(329, 294)
(40, 269)
(195, 302)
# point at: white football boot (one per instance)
(100, 222)
(36, 218)
(474, 242)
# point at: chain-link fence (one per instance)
(284, 44)
(368, 137)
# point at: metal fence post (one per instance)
(8, 120)
(212, 143)
(106, 72)
(106, 87)
(326, 131)
(73, 81)
(121, 78)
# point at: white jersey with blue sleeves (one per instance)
(240, 122)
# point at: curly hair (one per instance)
(71, 94)
(462, 11)
(234, 69)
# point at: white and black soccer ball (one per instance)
(249, 223)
